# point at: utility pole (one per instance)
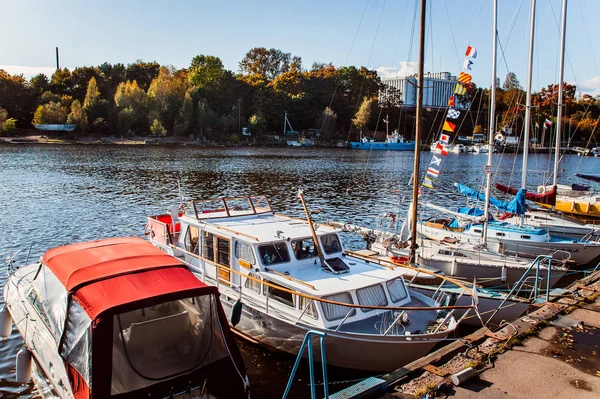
(57, 60)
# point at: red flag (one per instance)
(449, 126)
(451, 101)
(440, 149)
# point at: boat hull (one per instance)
(343, 349)
(488, 304)
(357, 145)
(580, 253)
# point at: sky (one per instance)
(377, 34)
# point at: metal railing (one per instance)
(307, 341)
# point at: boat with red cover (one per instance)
(119, 318)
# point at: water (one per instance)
(52, 195)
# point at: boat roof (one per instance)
(77, 265)
(104, 295)
(360, 275)
(266, 227)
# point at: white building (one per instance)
(438, 89)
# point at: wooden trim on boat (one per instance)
(290, 278)
(318, 299)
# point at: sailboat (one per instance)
(584, 206)
(294, 138)
(502, 236)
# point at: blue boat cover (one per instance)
(516, 206)
(471, 211)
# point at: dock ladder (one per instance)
(308, 341)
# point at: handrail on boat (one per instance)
(390, 265)
(290, 278)
(322, 300)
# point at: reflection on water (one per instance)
(61, 194)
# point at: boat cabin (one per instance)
(244, 247)
(130, 321)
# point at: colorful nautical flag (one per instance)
(460, 89)
(427, 182)
(471, 52)
(439, 149)
(444, 138)
(537, 125)
(449, 126)
(433, 172)
(464, 78)
(453, 113)
(436, 161)
(467, 64)
(547, 123)
(451, 101)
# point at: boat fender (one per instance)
(24, 364)
(503, 275)
(5, 323)
(236, 312)
(463, 376)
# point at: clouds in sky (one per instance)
(590, 86)
(406, 68)
(28, 71)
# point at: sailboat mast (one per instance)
(492, 125)
(527, 121)
(284, 123)
(418, 128)
(560, 92)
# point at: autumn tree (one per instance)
(39, 84)
(142, 72)
(16, 97)
(257, 124)
(363, 115)
(77, 116)
(268, 63)
(94, 106)
(50, 113)
(166, 94)
(62, 81)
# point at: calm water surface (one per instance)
(52, 195)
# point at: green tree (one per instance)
(16, 97)
(39, 84)
(126, 120)
(206, 119)
(511, 82)
(206, 71)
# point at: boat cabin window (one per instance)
(35, 301)
(397, 290)
(526, 237)
(477, 230)
(311, 310)
(372, 296)
(208, 246)
(337, 312)
(279, 295)
(331, 243)
(163, 341)
(191, 239)
(253, 284)
(304, 249)
(274, 253)
(500, 234)
(244, 251)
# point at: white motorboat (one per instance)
(290, 278)
(123, 314)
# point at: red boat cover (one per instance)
(79, 264)
(548, 198)
(103, 295)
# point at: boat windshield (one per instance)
(274, 253)
(331, 243)
(160, 342)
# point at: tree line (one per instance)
(205, 101)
